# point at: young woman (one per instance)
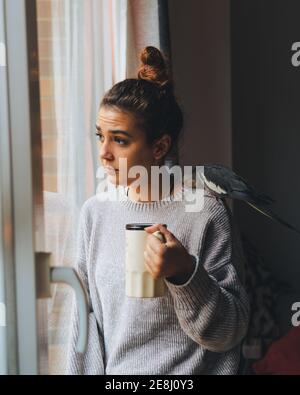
(197, 327)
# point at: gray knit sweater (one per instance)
(196, 328)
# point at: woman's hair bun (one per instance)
(154, 67)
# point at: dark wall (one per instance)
(241, 96)
(266, 124)
(200, 42)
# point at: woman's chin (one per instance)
(113, 179)
(116, 180)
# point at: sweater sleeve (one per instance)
(92, 361)
(212, 306)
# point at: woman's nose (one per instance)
(105, 152)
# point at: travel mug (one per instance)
(139, 282)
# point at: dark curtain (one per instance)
(165, 46)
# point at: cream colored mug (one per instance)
(139, 282)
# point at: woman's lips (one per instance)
(111, 170)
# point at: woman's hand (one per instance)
(170, 259)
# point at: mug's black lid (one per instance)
(138, 226)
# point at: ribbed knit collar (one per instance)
(150, 206)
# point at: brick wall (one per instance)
(49, 133)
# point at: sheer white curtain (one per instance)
(95, 44)
(89, 56)
(89, 52)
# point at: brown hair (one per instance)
(150, 97)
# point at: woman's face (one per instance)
(120, 137)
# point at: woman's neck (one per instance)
(136, 195)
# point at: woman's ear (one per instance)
(162, 146)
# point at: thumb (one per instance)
(167, 234)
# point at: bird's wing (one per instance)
(223, 180)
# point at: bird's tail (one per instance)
(257, 198)
(270, 214)
(263, 198)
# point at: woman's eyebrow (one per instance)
(115, 131)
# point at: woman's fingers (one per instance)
(155, 245)
(152, 264)
(149, 266)
(169, 237)
(152, 228)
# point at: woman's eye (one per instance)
(99, 136)
(117, 139)
(120, 141)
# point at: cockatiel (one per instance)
(223, 182)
